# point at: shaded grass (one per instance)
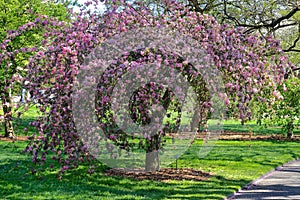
(233, 163)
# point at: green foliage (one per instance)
(14, 13)
(18, 43)
(288, 110)
(22, 122)
(284, 111)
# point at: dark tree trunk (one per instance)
(243, 122)
(7, 111)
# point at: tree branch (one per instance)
(291, 48)
(284, 25)
(196, 6)
(274, 22)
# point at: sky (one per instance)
(101, 6)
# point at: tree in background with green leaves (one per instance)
(285, 111)
(19, 40)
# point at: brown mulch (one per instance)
(244, 136)
(163, 175)
(248, 136)
(227, 135)
(17, 138)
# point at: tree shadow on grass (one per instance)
(17, 183)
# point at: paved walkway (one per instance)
(282, 183)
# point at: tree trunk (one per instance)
(242, 122)
(152, 161)
(290, 132)
(194, 124)
(7, 111)
(152, 154)
(290, 135)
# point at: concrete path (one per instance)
(281, 183)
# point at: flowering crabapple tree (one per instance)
(242, 59)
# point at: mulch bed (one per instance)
(17, 138)
(227, 135)
(163, 175)
(248, 137)
(243, 136)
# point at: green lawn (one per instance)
(235, 126)
(233, 163)
(22, 122)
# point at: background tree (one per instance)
(284, 112)
(19, 39)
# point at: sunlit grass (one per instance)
(23, 121)
(252, 126)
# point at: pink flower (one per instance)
(112, 137)
(227, 102)
(284, 88)
(255, 90)
(277, 95)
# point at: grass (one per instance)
(235, 126)
(20, 123)
(233, 163)
(228, 125)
